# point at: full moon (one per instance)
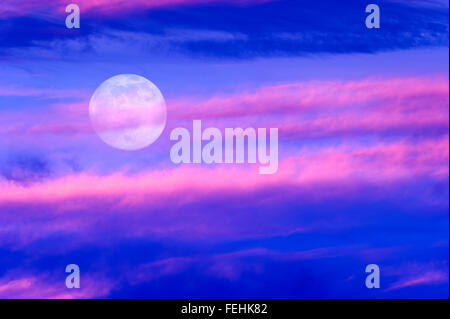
(128, 112)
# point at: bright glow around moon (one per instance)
(128, 112)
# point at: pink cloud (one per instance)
(312, 172)
(315, 109)
(14, 8)
(43, 286)
(373, 122)
(389, 95)
(156, 202)
(381, 162)
(415, 274)
(427, 278)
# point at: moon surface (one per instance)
(128, 112)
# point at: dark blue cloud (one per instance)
(418, 239)
(24, 168)
(268, 29)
